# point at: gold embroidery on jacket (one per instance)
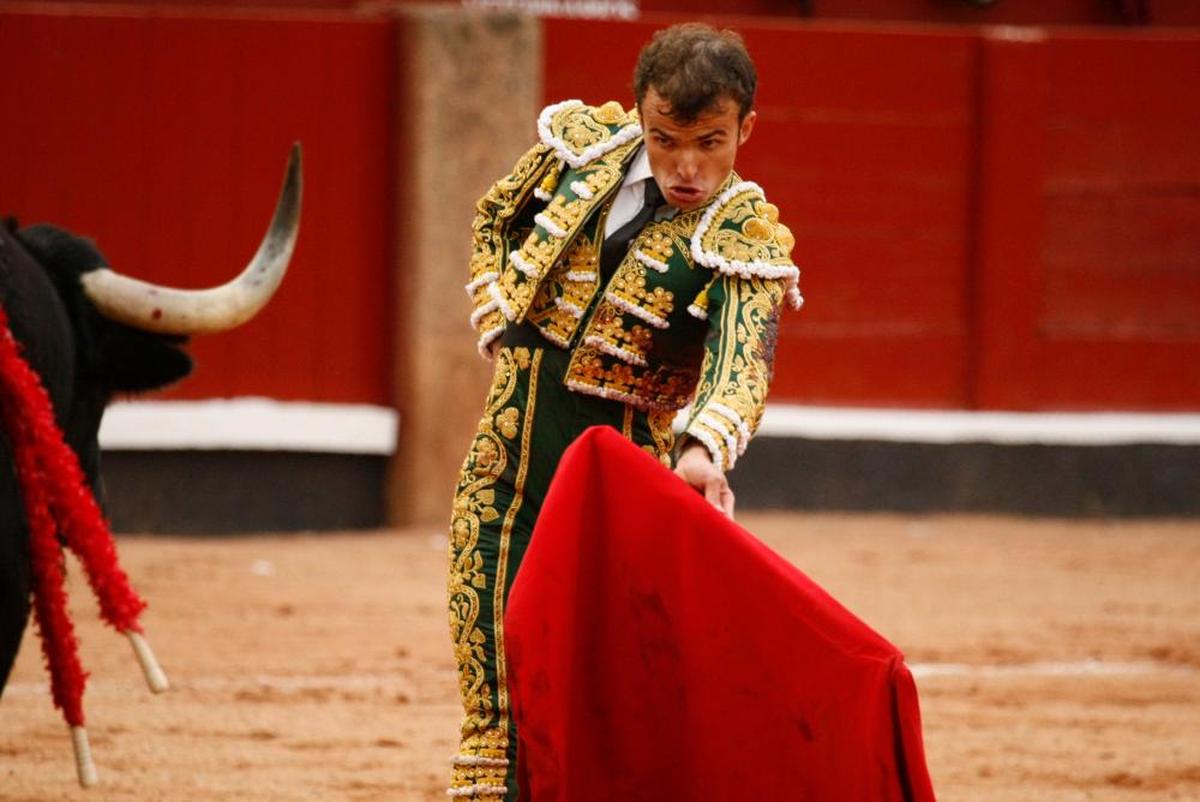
(495, 209)
(629, 284)
(611, 113)
(538, 252)
(736, 370)
(658, 243)
(568, 213)
(581, 131)
(593, 372)
(610, 327)
(565, 294)
(749, 231)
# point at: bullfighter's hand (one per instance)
(493, 347)
(695, 466)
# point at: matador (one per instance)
(621, 273)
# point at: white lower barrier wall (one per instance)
(263, 424)
(249, 424)
(1005, 428)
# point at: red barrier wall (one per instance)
(963, 12)
(1120, 252)
(1089, 263)
(164, 138)
(1012, 12)
(981, 221)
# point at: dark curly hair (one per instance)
(693, 66)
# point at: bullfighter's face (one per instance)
(690, 161)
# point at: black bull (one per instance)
(83, 360)
(91, 334)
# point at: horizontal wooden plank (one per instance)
(1104, 374)
(1090, 157)
(1153, 306)
(1106, 77)
(1122, 230)
(870, 371)
(1011, 12)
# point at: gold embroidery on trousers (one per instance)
(660, 422)
(505, 542)
(484, 729)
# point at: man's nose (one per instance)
(687, 166)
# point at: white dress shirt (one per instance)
(632, 193)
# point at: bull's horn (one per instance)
(165, 310)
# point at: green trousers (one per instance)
(529, 420)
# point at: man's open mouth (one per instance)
(684, 194)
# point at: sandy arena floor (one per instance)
(1055, 660)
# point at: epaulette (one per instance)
(579, 133)
(740, 234)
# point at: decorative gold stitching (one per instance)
(484, 733)
(506, 539)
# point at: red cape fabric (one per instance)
(658, 651)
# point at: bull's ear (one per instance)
(135, 361)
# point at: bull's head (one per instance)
(91, 333)
(128, 332)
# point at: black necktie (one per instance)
(617, 243)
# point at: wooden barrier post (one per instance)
(469, 93)
(1005, 274)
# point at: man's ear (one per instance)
(747, 127)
